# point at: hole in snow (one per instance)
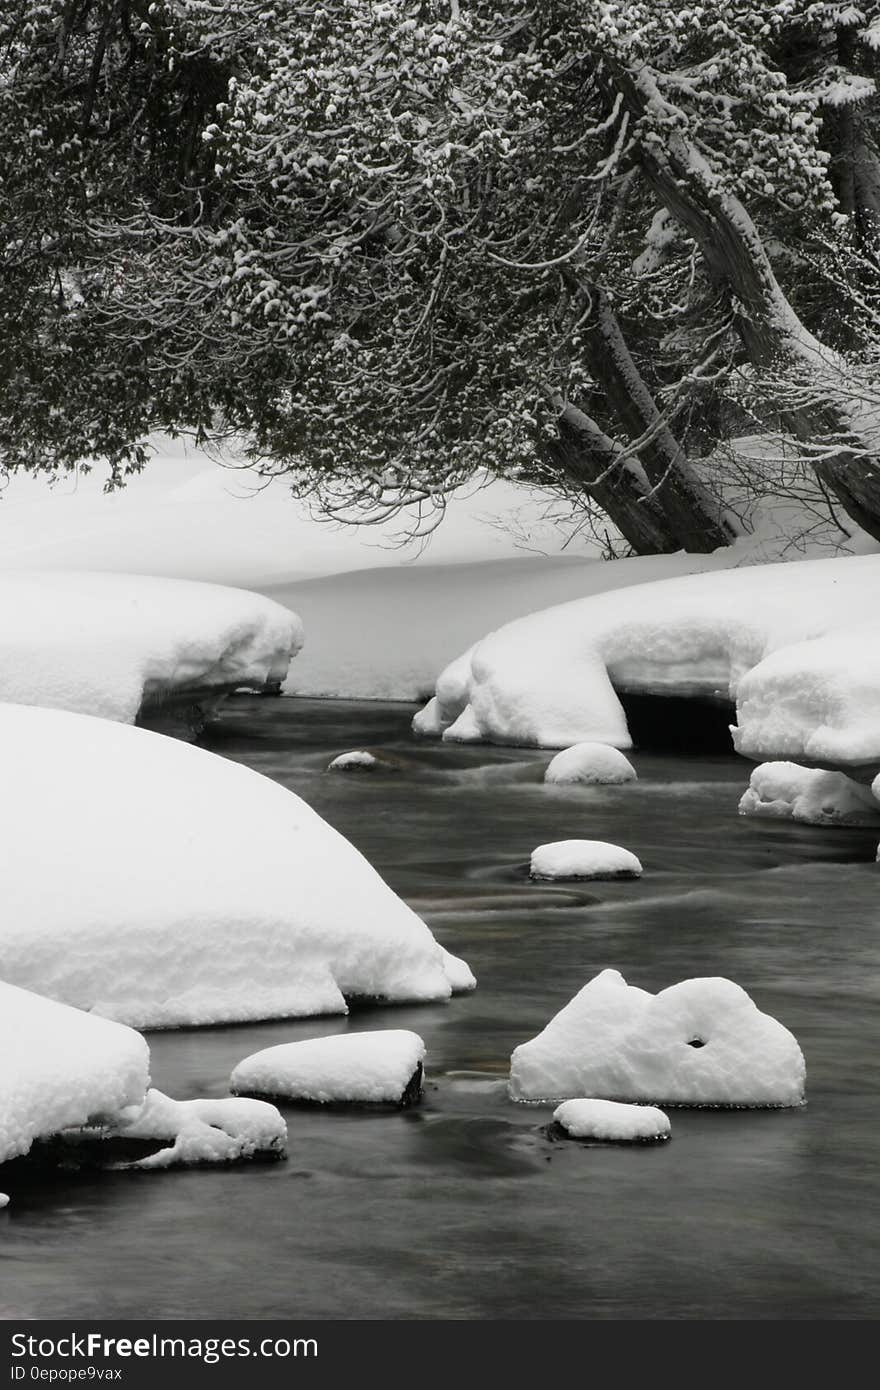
(676, 723)
(696, 1042)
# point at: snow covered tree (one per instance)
(390, 242)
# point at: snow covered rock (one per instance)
(785, 790)
(60, 1067)
(204, 1131)
(611, 1121)
(794, 645)
(153, 882)
(4, 1200)
(357, 1068)
(126, 646)
(700, 1042)
(583, 859)
(356, 761)
(590, 763)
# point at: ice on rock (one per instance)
(611, 1121)
(794, 645)
(61, 1068)
(699, 1042)
(156, 883)
(358, 760)
(811, 795)
(569, 859)
(205, 1131)
(591, 763)
(111, 644)
(357, 1068)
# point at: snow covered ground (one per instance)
(158, 884)
(110, 645)
(700, 1042)
(60, 1067)
(795, 645)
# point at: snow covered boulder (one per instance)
(358, 760)
(568, 859)
(60, 1068)
(204, 1131)
(611, 1122)
(350, 1068)
(590, 763)
(129, 647)
(794, 646)
(159, 884)
(811, 795)
(700, 1042)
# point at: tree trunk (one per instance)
(770, 329)
(594, 464)
(695, 521)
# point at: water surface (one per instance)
(463, 1208)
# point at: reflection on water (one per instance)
(463, 1208)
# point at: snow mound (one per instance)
(159, 884)
(60, 1067)
(590, 763)
(459, 974)
(361, 1068)
(795, 645)
(611, 1121)
(112, 644)
(700, 1042)
(785, 790)
(583, 859)
(356, 761)
(4, 1200)
(205, 1131)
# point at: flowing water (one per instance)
(462, 1208)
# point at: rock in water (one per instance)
(611, 1121)
(700, 1042)
(384, 1067)
(572, 859)
(592, 764)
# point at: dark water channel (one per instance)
(462, 1208)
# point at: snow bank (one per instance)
(700, 1042)
(385, 633)
(158, 884)
(110, 644)
(795, 645)
(611, 1121)
(60, 1067)
(363, 1068)
(590, 763)
(785, 790)
(583, 859)
(205, 1131)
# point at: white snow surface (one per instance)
(787, 791)
(385, 634)
(204, 1131)
(99, 643)
(611, 1120)
(60, 1068)
(357, 759)
(363, 1068)
(590, 763)
(583, 859)
(617, 1042)
(794, 645)
(156, 883)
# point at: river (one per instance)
(462, 1208)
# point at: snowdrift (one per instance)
(60, 1067)
(119, 646)
(157, 884)
(795, 646)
